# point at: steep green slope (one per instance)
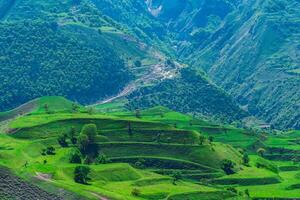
(161, 148)
(253, 56)
(78, 61)
(43, 59)
(145, 157)
(41, 105)
(248, 48)
(188, 93)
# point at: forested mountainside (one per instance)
(88, 51)
(40, 59)
(44, 52)
(188, 93)
(255, 56)
(149, 99)
(250, 48)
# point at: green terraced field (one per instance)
(164, 141)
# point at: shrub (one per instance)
(210, 139)
(176, 177)
(137, 63)
(81, 174)
(261, 152)
(247, 193)
(82, 143)
(87, 140)
(43, 153)
(75, 158)
(62, 140)
(140, 163)
(102, 159)
(228, 166)
(72, 135)
(233, 190)
(246, 159)
(135, 192)
(48, 151)
(90, 130)
(201, 139)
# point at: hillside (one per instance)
(91, 57)
(36, 69)
(254, 56)
(248, 48)
(188, 93)
(160, 148)
(143, 153)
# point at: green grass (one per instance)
(112, 180)
(115, 180)
(176, 150)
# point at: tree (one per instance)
(202, 139)
(102, 159)
(81, 174)
(233, 190)
(140, 163)
(170, 63)
(246, 159)
(82, 143)
(91, 131)
(161, 113)
(137, 113)
(247, 193)
(129, 129)
(228, 166)
(87, 140)
(210, 139)
(62, 140)
(137, 63)
(75, 158)
(50, 151)
(75, 107)
(176, 177)
(90, 110)
(261, 152)
(72, 135)
(135, 192)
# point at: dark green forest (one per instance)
(189, 93)
(40, 58)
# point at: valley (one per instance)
(149, 100)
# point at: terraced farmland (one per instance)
(144, 153)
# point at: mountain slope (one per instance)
(87, 51)
(254, 56)
(43, 59)
(188, 93)
(249, 48)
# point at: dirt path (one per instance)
(98, 196)
(43, 177)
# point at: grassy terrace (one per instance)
(165, 141)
